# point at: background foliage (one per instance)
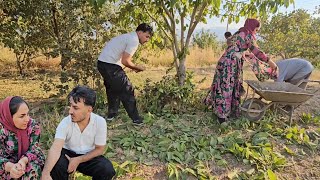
(292, 35)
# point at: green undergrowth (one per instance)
(194, 145)
(181, 139)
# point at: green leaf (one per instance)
(222, 162)
(271, 175)
(148, 163)
(289, 135)
(289, 151)
(191, 171)
(220, 140)
(260, 138)
(138, 178)
(124, 164)
(213, 141)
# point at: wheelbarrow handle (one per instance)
(307, 81)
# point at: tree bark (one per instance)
(18, 61)
(182, 71)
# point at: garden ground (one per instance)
(191, 144)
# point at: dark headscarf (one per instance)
(249, 26)
(7, 121)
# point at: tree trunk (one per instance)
(64, 61)
(18, 61)
(182, 71)
(65, 56)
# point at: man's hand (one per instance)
(73, 163)
(139, 68)
(46, 176)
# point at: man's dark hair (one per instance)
(83, 92)
(144, 27)
(227, 34)
(15, 103)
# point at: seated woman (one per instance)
(20, 154)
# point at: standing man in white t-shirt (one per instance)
(80, 141)
(117, 52)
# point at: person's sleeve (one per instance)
(132, 46)
(282, 67)
(256, 50)
(35, 153)
(101, 135)
(61, 131)
(3, 159)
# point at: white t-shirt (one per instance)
(81, 143)
(112, 51)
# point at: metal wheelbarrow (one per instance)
(283, 96)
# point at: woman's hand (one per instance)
(23, 163)
(16, 171)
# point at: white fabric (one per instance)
(113, 50)
(81, 143)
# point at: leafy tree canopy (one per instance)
(292, 35)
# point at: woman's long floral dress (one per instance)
(224, 95)
(9, 152)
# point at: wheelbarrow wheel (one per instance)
(257, 104)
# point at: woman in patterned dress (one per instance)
(20, 154)
(224, 95)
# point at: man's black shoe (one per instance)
(138, 122)
(110, 117)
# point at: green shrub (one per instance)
(167, 96)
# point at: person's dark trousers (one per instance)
(99, 168)
(118, 87)
(298, 80)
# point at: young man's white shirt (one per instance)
(113, 50)
(81, 143)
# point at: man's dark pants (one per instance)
(118, 88)
(99, 168)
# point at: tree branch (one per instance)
(175, 60)
(182, 15)
(196, 20)
(157, 22)
(167, 12)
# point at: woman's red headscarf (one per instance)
(7, 121)
(249, 26)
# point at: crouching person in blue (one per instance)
(80, 141)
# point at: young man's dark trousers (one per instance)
(98, 168)
(118, 88)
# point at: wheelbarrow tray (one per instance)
(281, 92)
